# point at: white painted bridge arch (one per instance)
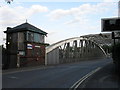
(80, 50)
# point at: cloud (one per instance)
(80, 14)
(65, 0)
(59, 13)
(36, 9)
(80, 20)
(110, 0)
(12, 16)
(84, 19)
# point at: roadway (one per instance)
(106, 77)
(59, 76)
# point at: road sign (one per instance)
(110, 24)
(29, 46)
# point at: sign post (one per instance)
(113, 25)
(119, 9)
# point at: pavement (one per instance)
(107, 77)
(28, 68)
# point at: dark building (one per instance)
(25, 46)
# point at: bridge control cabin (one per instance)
(25, 46)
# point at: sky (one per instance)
(61, 19)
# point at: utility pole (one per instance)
(113, 33)
(119, 17)
(119, 9)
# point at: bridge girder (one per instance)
(72, 50)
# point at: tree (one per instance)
(9, 1)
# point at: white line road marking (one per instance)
(77, 84)
(13, 77)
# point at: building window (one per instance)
(42, 38)
(30, 36)
(36, 37)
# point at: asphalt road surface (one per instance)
(106, 77)
(60, 76)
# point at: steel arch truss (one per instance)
(73, 50)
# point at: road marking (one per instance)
(13, 77)
(81, 80)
